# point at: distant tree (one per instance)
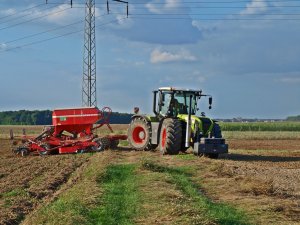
(293, 118)
(44, 117)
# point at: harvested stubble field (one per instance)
(258, 182)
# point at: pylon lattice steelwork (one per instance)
(89, 97)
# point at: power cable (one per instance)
(218, 19)
(22, 16)
(47, 31)
(193, 2)
(43, 32)
(230, 7)
(56, 37)
(21, 11)
(211, 14)
(36, 18)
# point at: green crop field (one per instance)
(260, 126)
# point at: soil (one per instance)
(264, 144)
(261, 175)
(26, 181)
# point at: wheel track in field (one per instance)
(28, 182)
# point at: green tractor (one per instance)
(175, 126)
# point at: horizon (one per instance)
(233, 118)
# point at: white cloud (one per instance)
(8, 12)
(158, 56)
(196, 75)
(255, 7)
(3, 46)
(169, 5)
(63, 14)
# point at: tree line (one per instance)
(44, 117)
(293, 118)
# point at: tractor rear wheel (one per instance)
(170, 140)
(139, 134)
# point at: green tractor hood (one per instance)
(203, 124)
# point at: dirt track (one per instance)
(260, 175)
(264, 144)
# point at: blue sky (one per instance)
(246, 54)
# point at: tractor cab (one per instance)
(173, 101)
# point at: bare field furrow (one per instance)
(26, 181)
(259, 176)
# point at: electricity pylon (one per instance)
(89, 97)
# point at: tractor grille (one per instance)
(206, 124)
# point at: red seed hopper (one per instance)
(72, 131)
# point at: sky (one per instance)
(246, 54)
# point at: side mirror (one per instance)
(210, 102)
(136, 110)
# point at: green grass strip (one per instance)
(118, 204)
(219, 212)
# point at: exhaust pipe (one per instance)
(188, 125)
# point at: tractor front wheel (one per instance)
(170, 137)
(139, 134)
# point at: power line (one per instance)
(47, 31)
(230, 7)
(170, 14)
(21, 11)
(212, 14)
(22, 16)
(36, 18)
(194, 2)
(43, 32)
(218, 19)
(59, 36)
(218, 2)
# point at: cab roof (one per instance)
(178, 89)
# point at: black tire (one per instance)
(114, 144)
(170, 140)
(23, 151)
(104, 143)
(153, 147)
(139, 134)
